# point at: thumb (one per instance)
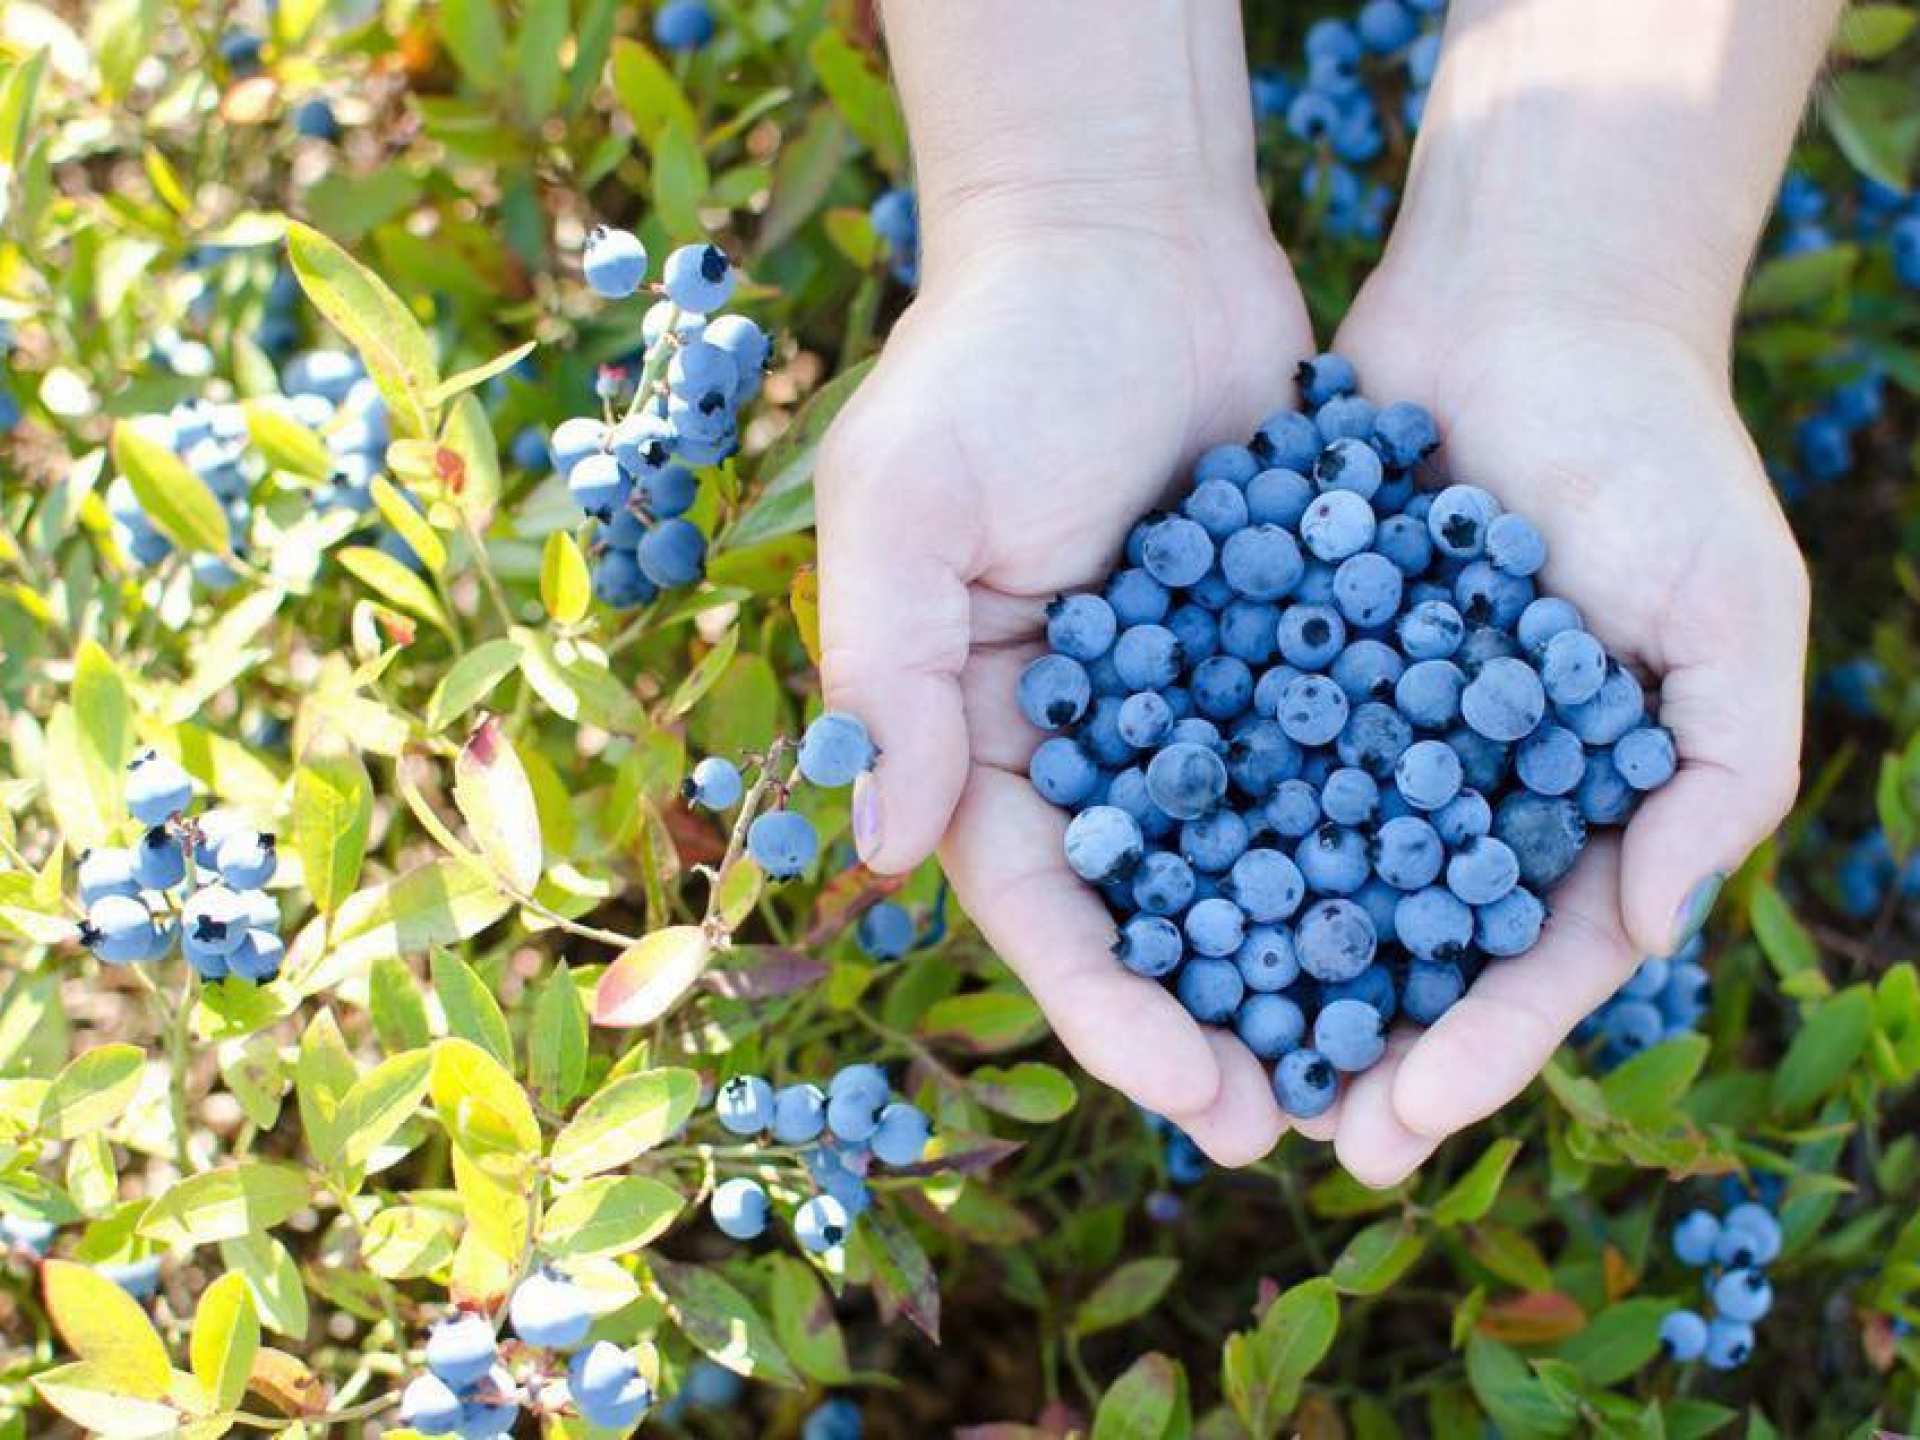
(894, 636)
(1735, 718)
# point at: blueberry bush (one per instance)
(437, 992)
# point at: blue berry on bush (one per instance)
(461, 1349)
(745, 1105)
(1684, 1334)
(699, 278)
(885, 931)
(550, 1310)
(614, 262)
(429, 1405)
(740, 1208)
(157, 788)
(836, 750)
(607, 1387)
(821, 1224)
(783, 843)
(715, 784)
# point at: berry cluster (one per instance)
(1665, 997)
(834, 751)
(212, 441)
(895, 218)
(330, 393)
(198, 881)
(1324, 743)
(1734, 1250)
(842, 1129)
(632, 474)
(1881, 215)
(1868, 871)
(1334, 108)
(474, 1389)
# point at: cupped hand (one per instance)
(1043, 391)
(1617, 436)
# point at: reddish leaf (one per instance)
(1538, 1318)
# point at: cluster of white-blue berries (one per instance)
(835, 750)
(1665, 997)
(198, 882)
(633, 472)
(1325, 744)
(474, 1388)
(330, 393)
(1734, 1251)
(212, 441)
(895, 217)
(844, 1129)
(1333, 105)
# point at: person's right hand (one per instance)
(1048, 386)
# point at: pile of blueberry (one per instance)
(895, 218)
(842, 1129)
(1325, 744)
(469, 1389)
(1734, 1250)
(632, 471)
(835, 750)
(1665, 997)
(212, 441)
(1334, 108)
(196, 881)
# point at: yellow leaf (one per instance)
(226, 1337)
(649, 977)
(565, 585)
(490, 786)
(106, 1328)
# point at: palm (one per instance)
(1026, 412)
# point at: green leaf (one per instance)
(705, 675)
(566, 589)
(286, 443)
(1791, 282)
(394, 582)
(107, 1329)
(1645, 1090)
(1781, 935)
(380, 1102)
(802, 1314)
(557, 1041)
(469, 680)
(1262, 1371)
(903, 1278)
(405, 1242)
(577, 689)
(1874, 121)
(177, 501)
(279, 1295)
(1618, 1342)
(468, 434)
(785, 500)
(243, 1198)
(100, 1405)
(1148, 1402)
(491, 789)
(1126, 1294)
(226, 1337)
(332, 813)
(862, 96)
(323, 1075)
(543, 31)
(92, 1091)
(1509, 1254)
(394, 1001)
(476, 376)
(440, 903)
(1030, 1091)
(472, 1011)
(624, 1119)
(609, 1215)
(1376, 1257)
(984, 1021)
(648, 92)
(412, 527)
(722, 1323)
(1516, 1400)
(1824, 1051)
(1870, 32)
(396, 351)
(649, 977)
(680, 181)
(1473, 1194)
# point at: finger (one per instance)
(894, 630)
(1244, 1121)
(1322, 1127)
(1734, 705)
(1372, 1143)
(1490, 1045)
(1004, 855)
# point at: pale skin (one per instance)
(1102, 299)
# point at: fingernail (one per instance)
(1696, 907)
(866, 817)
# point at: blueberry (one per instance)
(108, 871)
(1405, 433)
(799, 1114)
(1546, 836)
(1615, 708)
(1463, 817)
(1431, 630)
(1550, 761)
(429, 1405)
(1504, 701)
(1054, 692)
(1350, 796)
(598, 485)
(549, 1310)
(139, 1278)
(1329, 376)
(1367, 588)
(246, 859)
(1482, 871)
(1430, 991)
(1338, 523)
(1335, 940)
(1486, 596)
(744, 1105)
(1148, 657)
(618, 581)
(1428, 693)
(1348, 464)
(605, 1381)
(1311, 636)
(1262, 562)
(1081, 627)
(1644, 757)
(1749, 1236)
(1163, 884)
(1367, 669)
(715, 784)
(1333, 860)
(1630, 1026)
(836, 750)
(314, 120)
(1177, 552)
(1572, 667)
(1215, 927)
(674, 552)
(1266, 958)
(1408, 853)
(835, 1419)
(1729, 1344)
(1211, 989)
(1684, 1334)
(1217, 506)
(902, 1135)
(1279, 497)
(1270, 1025)
(1104, 842)
(699, 278)
(1483, 762)
(1186, 780)
(1434, 924)
(1128, 791)
(1542, 620)
(1293, 810)
(1150, 945)
(1197, 632)
(1247, 630)
(460, 1349)
(1221, 687)
(1234, 464)
(1305, 1083)
(885, 931)
(1694, 1238)
(157, 788)
(1428, 774)
(1313, 710)
(1351, 1034)
(1510, 925)
(821, 1224)
(1459, 519)
(1345, 417)
(1515, 546)
(614, 261)
(1137, 598)
(1214, 842)
(159, 861)
(782, 843)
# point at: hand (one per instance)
(1615, 433)
(1046, 388)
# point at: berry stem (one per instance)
(656, 363)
